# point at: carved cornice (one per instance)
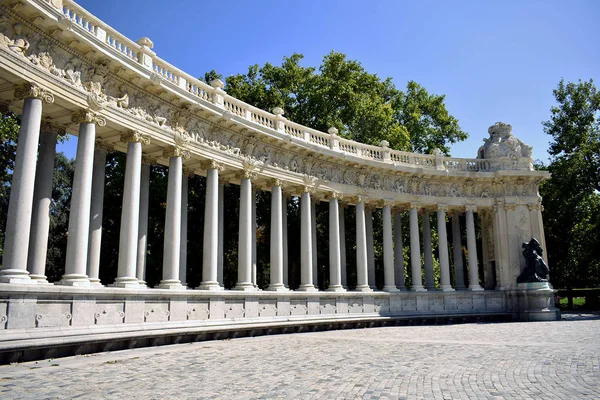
(176, 151)
(33, 90)
(211, 164)
(88, 117)
(49, 126)
(104, 145)
(135, 137)
(148, 160)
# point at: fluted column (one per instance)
(96, 210)
(276, 273)
(254, 226)
(286, 266)
(313, 236)
(335, 266)
(220, 251)
(443, 249)
(18, 223)
(472, 250)
(459, 276)
(79, 217)
(427, 252)
(415, 251)
(186, 173)
(42, 197)
(130, 211)
(210, 256)
(306, 250)
(246, 226)
(389, 284)
(143, 220)
(362, 274)
(370, 246)
(398, 251)
(343, 260)
(172, 241)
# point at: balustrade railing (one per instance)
(205, 92)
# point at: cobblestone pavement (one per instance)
(544, 360)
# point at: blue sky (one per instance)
(494, 60)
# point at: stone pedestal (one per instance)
(536, 302)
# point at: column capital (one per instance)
(33, 90)
(362, 199)
(49, 126)
(176, 151)
(510, 207)
(88, 116)
(441, 207)
(470, 207)
(276, 182)
(536, 206)
(334, 195)
(223, 180)
(417, 206)
(104, 145)
(135, 137)
(148, 160)
(188, 172)
(211, 164)
(384, 203)
(308, 184)
(246, 174)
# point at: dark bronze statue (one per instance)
(536, 269)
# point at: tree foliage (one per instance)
(340, 93)
(571, 197)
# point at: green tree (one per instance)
(9, 130)
(571, 197)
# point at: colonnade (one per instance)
(28, 221)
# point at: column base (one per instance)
(18, 276)
(40, 279)
(363, 288)
(307, 288)
(418, 289)
(210, 285)
(336, 288)
(127, 282)
(74, 280)
(171, 284)
(460, 288)
(446, 288)
(245, 286)
(278, 287)
(95, 282)
(476, 288)
(391, 289)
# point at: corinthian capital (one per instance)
(246, 174)
(176, 151)
(334, 195)
(212, 164)
(471, 207)
(135, 136)
(49, 126)
(104, 145)
(30, 89)
(190, 173)
(148, 160)
(88, 116)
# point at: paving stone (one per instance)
(551, 360)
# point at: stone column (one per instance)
(415, 251)
(143, 220)
(172, 243)
(286, 267)
(389, 284)
(220, 250)
(79, 217)
(472, 249)
(459, 278)
(18, 224)
(335, 266)
(487, 249)
(42, 197)
(306, 257)
(362, 274)
(398, 251)
(343, 261)
(427, 252)
(96, 210)
(370, 246)
(313, 236)
(443, 249)
(130, 211)
(276, 237)
(245, 233)
(210, 256)
(186, 173)
(254, 226)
